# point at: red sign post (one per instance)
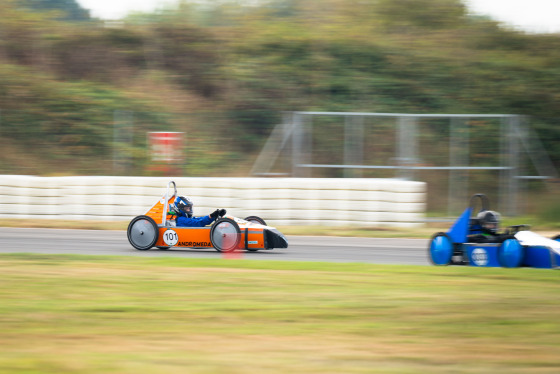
(166, 150)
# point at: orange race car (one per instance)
(157, 229)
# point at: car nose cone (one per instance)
(275, 239)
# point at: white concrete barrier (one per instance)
(280, 201)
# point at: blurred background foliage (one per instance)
(224, 71)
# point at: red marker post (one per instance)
(166, 149)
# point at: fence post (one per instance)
(510, 158)
(353, 145)
(301, 145)
(458, 156)
(407, 147)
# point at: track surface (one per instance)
(301, 248)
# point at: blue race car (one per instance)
(475, 241)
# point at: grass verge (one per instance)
(86, 314)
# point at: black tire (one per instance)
(142, 232)
(256, 219)
(225, 235)
(557, 237)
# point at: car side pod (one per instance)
(540, 252)
(441, 249)
(511, 253)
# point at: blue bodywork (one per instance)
(541, 257)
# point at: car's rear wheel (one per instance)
(256, 219)
(142, 232)
(225, 235)
(440, 250)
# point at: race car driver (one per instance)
(183, 208)
(490, 223)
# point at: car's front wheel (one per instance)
(225, 235)
(440, 250)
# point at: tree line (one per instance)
(224, 71)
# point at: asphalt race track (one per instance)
(301, 248)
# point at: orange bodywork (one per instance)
(156, 212)
(199, 237)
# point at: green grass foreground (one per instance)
(86, 314)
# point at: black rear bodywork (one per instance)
(274, 239)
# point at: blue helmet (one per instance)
(183, 205)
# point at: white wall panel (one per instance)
(280, 201)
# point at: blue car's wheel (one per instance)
(510, 253)
(441, 249)
(557, 238)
